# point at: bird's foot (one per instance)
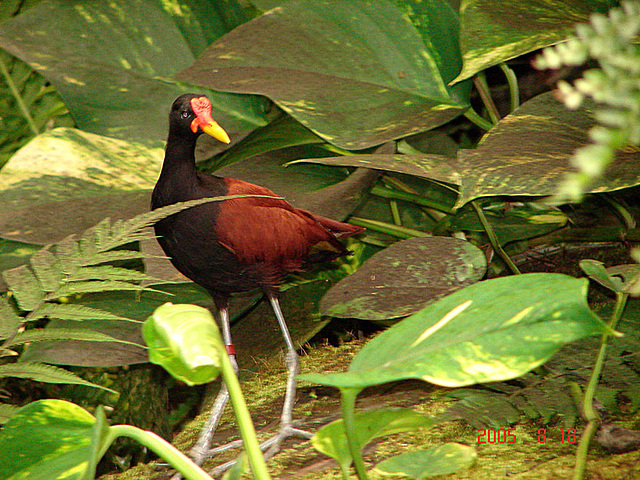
(270, 446)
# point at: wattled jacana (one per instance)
(238, 244)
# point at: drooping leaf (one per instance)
(113, 61)
(528, 153)
(63, 432)
(494, 32)
(44, 373)
(184, 339)
(405, 277)
(434, 461)
(494, 330)
(74, 312)
(358, 74)
(598, 272)
(332, 441)
(435, 167)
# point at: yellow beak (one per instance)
(216, 131)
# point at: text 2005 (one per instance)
(501, 435)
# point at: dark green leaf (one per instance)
(528, 153)
(113, 61)
(492, 32)
(494, 330)
(598, 273)
(356, 73)
(434, 461)
(332, 441)
(65, 334)
(435, 167)
(405, 277)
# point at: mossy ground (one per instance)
(526, 459)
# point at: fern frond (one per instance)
(96, 286)
(75, 312)
(118, 256)
(108, 272)
(46, 374)
(25, 287)
(49, 334)
(9, 319)
(47, 269)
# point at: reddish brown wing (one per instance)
(271, 231)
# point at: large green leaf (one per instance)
(405, 277)
(492, 32)
(112, 62)
(357, 73)
(494, 330)
(529, 151)
(434, 461)
(67, 180)
(63, 448)
(332, 441)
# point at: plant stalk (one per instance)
(588, 411)
(349, 418)
(493, 238)
(514, 90)
(158, 445)
(473, 117)
(18, 97)
(245, 425)
(480, 82)
(388, 228)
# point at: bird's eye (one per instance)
(185, 114)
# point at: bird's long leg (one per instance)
(200, 450)
(293, 367)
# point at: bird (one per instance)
(236, 245)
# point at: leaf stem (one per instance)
(588, 411)
(388, 228)
(514, 89)
(158, 445)
(472, 116)
(493, 238)
(245, 425)
(394, 194)
(349, 418)
(480, 82)
(18, 97)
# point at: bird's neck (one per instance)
(179, 157)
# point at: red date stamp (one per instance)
(508, 435)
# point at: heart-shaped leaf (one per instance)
(357, 73)
(405, 277)
(494, 330)
(332, 441)
(112, 62)
(64, 434)
(492, 32)
(434, 461)
(528, 153)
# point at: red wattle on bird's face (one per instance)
(201, 106)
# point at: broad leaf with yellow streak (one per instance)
(529, 151)
(491, 331)
(493, 32)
